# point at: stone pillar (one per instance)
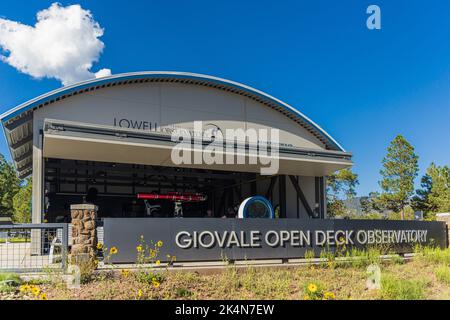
(84, 233)
(445, 217)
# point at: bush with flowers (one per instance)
(149, 254)
(316, 291)
(105, 254)
(33, 291)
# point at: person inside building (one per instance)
(91, 196)
(209, 214)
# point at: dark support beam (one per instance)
(238, 192)
(302, 196)
(317, 197)
(19, 122)
(222, 202)
(22, 142)
(253, 189)
(269, 193)
(297, 202)
(282, 195)
(323, 202)
(230, 198)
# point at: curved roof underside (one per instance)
(18, 127)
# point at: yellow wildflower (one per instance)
(139, 248)
(329, 296)
(156, 284)
(99, 246)
(152, 253)
(43, 296)
(158, 262)
(140, 293)
(24, 288)
(35, 291)
(312, 287)
(125, 273)
(113, 250)
(160, 243)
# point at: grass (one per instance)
(183, 293)
(15, 240)
(443, 274)
(393, 288)
(9, 282)
(433, 255)
(427, 276)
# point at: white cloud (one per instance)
(63, 44)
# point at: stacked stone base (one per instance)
(84, 234)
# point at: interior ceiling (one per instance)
(104, 146)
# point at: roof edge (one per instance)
(18, 110)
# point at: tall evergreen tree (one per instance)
(434, 196)
(439, 198)
(372, 203)
(340, 185)
(9, 186)
(421, 201)
(400, 168)
(22, 203)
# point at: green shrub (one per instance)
(432, 255)
(400, 289)
(309, 254)
(313, 291)
(15, 240)
(149, 277)
(9, 282)
(316, 291)
(182, 293)
(363, 258)
(397, 259)
(443, 274)
(328, 257)
(87, 269)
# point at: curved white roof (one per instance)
(21, 116)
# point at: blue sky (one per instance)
(363, 87)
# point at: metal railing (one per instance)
(33, 247)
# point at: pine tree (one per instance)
(22, 203)
(9, 186)
(400, 168)
(340, 185)
(434, 196)
(421, 201)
